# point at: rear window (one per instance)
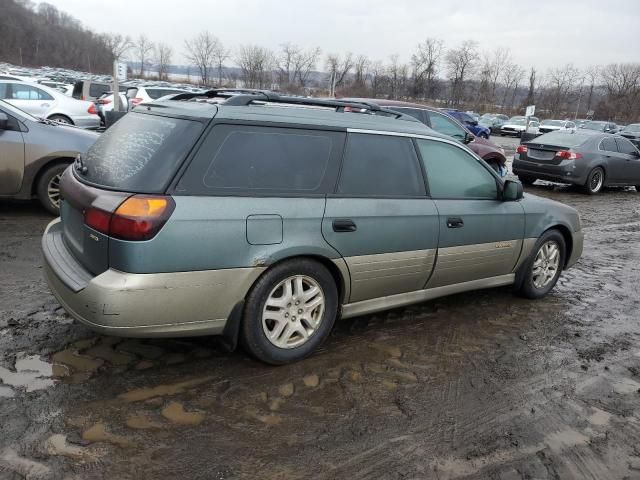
(97, 89)
(140, 153)
(562, 139)
(77, 90)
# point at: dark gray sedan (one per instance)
(586, 158)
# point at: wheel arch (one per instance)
(61, 115)
(568, 240)
(229, 340)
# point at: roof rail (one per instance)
(245, 97)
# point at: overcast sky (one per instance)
(543, 33)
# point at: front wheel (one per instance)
(595, 181)
(48, 187)
(541, 272)
(289, 312)
(61, 119)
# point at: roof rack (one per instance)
(245, 97)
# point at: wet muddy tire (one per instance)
(289, 312)
(595, 181)
(48, 187)
(526, 180)
(539, 274)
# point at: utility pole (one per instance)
(116, 87)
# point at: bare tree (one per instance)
(425, 64)
(163, 58)
(461, 63)
(201, 51)
(561, 84)
(304, 63)
(256, 64)
(339, 68)
(592, 75)
(398, 74)
(221, 55)
(118, 45)
(361, 65)
(622, 85)
(286, 64)
(144, 47)
(511, 78)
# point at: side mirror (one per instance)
(512, 191)
(468, 138)
(4, 121)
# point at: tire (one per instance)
(280, 317)
(48, 187)
(534, 280)
(61, 119)
(485, 136)
(526, 180)
(595, 181)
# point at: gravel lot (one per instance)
(477, 386)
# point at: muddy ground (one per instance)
(477, 386)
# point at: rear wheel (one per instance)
(48, 187)
(289, 312)
(595, 181)
(61, 119)
(541, 272)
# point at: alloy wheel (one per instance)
(53, 190)
(546, 264)
(293, 311)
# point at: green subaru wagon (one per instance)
(263, 218)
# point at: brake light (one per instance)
(97, 219)
(92, 109)
(136, 101)
(139, 217)
(522, 149)
(567, 155)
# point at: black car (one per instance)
(586, 158)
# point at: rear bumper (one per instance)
(144, 305)
(565, 172)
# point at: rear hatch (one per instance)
(139, 154)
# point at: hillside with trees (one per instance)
(39, 34)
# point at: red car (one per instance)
(443, 123)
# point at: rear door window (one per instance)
(380, 166)
(609, 145)
(140, 152)
(246, 160)
(454, 173)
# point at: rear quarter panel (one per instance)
(210, 233)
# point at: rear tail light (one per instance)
(136, 101)
(92, 109)
(522, 149)
(568, 155)
(139, 217)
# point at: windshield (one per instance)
(594, 125)
(553, 123)
(140, 152)
(16, 111)
(517, 121)
(634, 127)
(562, 139)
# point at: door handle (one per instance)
(344, 225)
(455, 222)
